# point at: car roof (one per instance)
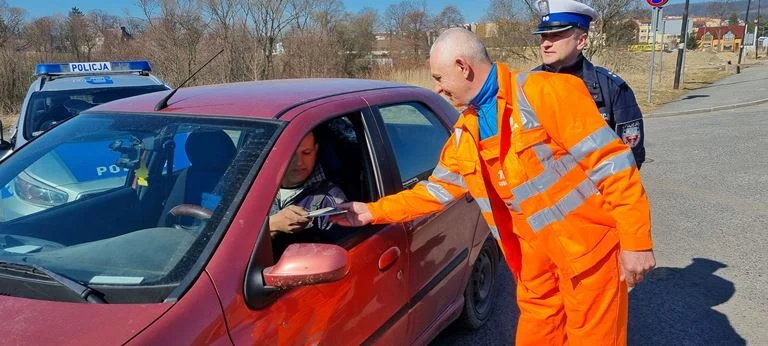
(260, 99)
(76, 82)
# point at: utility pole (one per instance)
(741, 48)
(681, 46)
(757, 27)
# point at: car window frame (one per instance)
(389, 146)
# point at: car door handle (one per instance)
(389, 258)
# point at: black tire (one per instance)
(480, 293)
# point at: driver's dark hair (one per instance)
(315, 134)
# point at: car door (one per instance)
(438, 244)
(367, 304)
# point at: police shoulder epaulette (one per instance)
(614, 77)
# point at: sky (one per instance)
(472, 10)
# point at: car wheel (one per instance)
(480, 293)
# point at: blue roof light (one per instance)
(93, 67)
(50, 69)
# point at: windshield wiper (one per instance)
(88, 294)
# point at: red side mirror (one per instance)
(308, 264)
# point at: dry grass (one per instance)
(8, 121)
(702, 69)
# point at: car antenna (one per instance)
(164, 102)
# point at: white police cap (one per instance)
(561, 15)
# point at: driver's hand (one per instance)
(289, 220)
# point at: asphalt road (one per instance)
(708, 185)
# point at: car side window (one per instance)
(342, 172)
(416, 136)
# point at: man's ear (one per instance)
(463, 66)
(582, 41)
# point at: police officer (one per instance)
(563, 29)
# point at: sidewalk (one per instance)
(748, 88)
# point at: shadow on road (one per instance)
(674, 306)
(694, 97)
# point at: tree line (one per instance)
(265, 39)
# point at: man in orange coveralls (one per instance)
(559, 190)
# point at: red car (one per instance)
(169, 245)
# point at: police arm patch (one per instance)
(630, 132)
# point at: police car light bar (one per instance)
(93, 67)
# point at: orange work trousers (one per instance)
(588, 309)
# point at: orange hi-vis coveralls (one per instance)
(561, 194)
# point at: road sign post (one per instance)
(654, 16)
(656, 5)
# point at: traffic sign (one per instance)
(657, 3)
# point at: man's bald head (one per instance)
(460, 43)
(460, 65)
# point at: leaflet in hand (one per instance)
(326, 212)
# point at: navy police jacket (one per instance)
(615, 101)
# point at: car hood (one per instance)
(40, 322)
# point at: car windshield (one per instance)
(127, 199)
(45, 109)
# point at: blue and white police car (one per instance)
(60, 92)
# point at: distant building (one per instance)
(720, 38)
(667, 33)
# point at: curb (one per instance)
(706, 110)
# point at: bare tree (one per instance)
(41, 35)
(175, 30)
(228, 21)
(79, 35)
(450, 16)
(269, 20)
(408, 23)
(509, 28)
(357, 37)
(11, 23)
(612, 28)
(313, 46)
(107, 33)
(14, 65)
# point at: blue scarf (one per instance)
(485, 104)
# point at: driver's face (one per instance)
(302, 164)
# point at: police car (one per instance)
(60, 92)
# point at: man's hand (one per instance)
(634, 265)
(357, 215)
(289, 220)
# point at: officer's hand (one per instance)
(289, 220)
(357, 215)
(634, 265)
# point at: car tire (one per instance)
(480, 293)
